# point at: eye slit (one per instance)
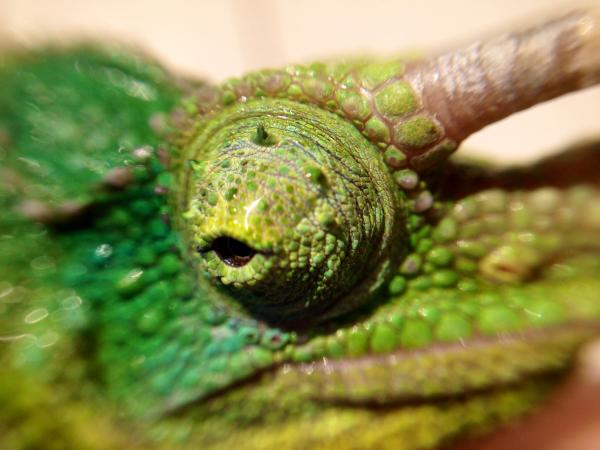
(232, 252)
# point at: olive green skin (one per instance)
(453, 311)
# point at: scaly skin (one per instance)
(287, 260)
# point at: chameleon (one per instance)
(292, 258)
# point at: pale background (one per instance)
(218, 39)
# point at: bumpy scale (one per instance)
(287, 260)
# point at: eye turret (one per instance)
(292, 212)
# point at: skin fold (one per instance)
(289, 259)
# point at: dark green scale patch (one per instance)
(71, 116)
(161, 340)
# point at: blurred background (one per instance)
(219, 39)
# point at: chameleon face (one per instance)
(285, 262)
(291, 210)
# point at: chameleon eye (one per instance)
(232, 252)
(294, 212)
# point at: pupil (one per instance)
(232, 252)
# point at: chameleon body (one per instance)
(286, 260)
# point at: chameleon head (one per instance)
(289, 210)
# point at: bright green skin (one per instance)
(365, 320)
